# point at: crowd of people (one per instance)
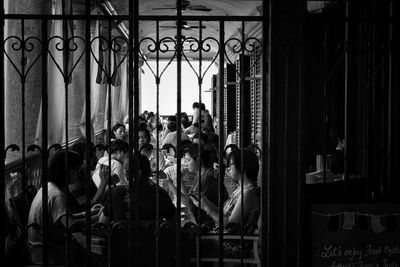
(110, 193)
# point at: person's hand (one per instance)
(104, 174)
(96, 209)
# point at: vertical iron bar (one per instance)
(242, 131)
(346, 88)
(325, 92)
(88, 132)
(221, 126)
(300, 182)
(44, 153)
(158, 138)
(108, 74)
(179, 100)
(285, 155)
(390, 103)
(2, 129)
(23, 82)
(135, 27)
(267, 163)
(66, 81)
(265, 181)
(132, 143)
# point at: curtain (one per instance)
(55, 80)
(96, 85)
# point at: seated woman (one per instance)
(57, 212)
(250, 200)
(118, 132)
(146, 198)
(200, 162)
(245, 198)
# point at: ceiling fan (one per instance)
(185, 6)
(184, 26)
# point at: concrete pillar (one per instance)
(13, 85)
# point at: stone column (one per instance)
(13, 81)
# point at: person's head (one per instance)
(184, 144)
(213, 139)
(169, 149)
(200, 138)
(80, 148)
(146, 150)
(144, 171)
(171, 126)
(202, 106)
(185, 121)
(171, 118)
(118, 131)
(193, 156)
(250, 166)
(144, 136)
(57, 173)
(119, 150)
(256, 149)
(195, 105)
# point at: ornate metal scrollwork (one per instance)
(66, 46)
(150, 46)
(28, 47)
(246, 47)
(115, 45)
(205, 46)
(13, 147)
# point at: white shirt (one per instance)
(116, 168)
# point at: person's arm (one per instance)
(250, 200)
(210, 209)
(101, 192)
(184, 196)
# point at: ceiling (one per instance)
(202, 8)
(191, 29)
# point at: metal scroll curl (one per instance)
(205, 46)
(246, 47)
(150, 46)
(116, 45)
(30, 48)
(68, 46)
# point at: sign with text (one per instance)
(356, 235)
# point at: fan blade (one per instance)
(163, 8)
(199, 8)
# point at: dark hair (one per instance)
(171, 126)
(203, 136)
(195, 105)
(213, 138)
(209, 155)
(57, 166)
(254, 148)
(151, 114)
(119, 145)
(185, 143)
(142, 125)
(144, 170)
(172, 118)
(202, 106)
(193, 149)
(80, 147)
(168, 147)
(115, 127)
(185, 121)
(146, 132)
(250, 162)
(232, 147)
